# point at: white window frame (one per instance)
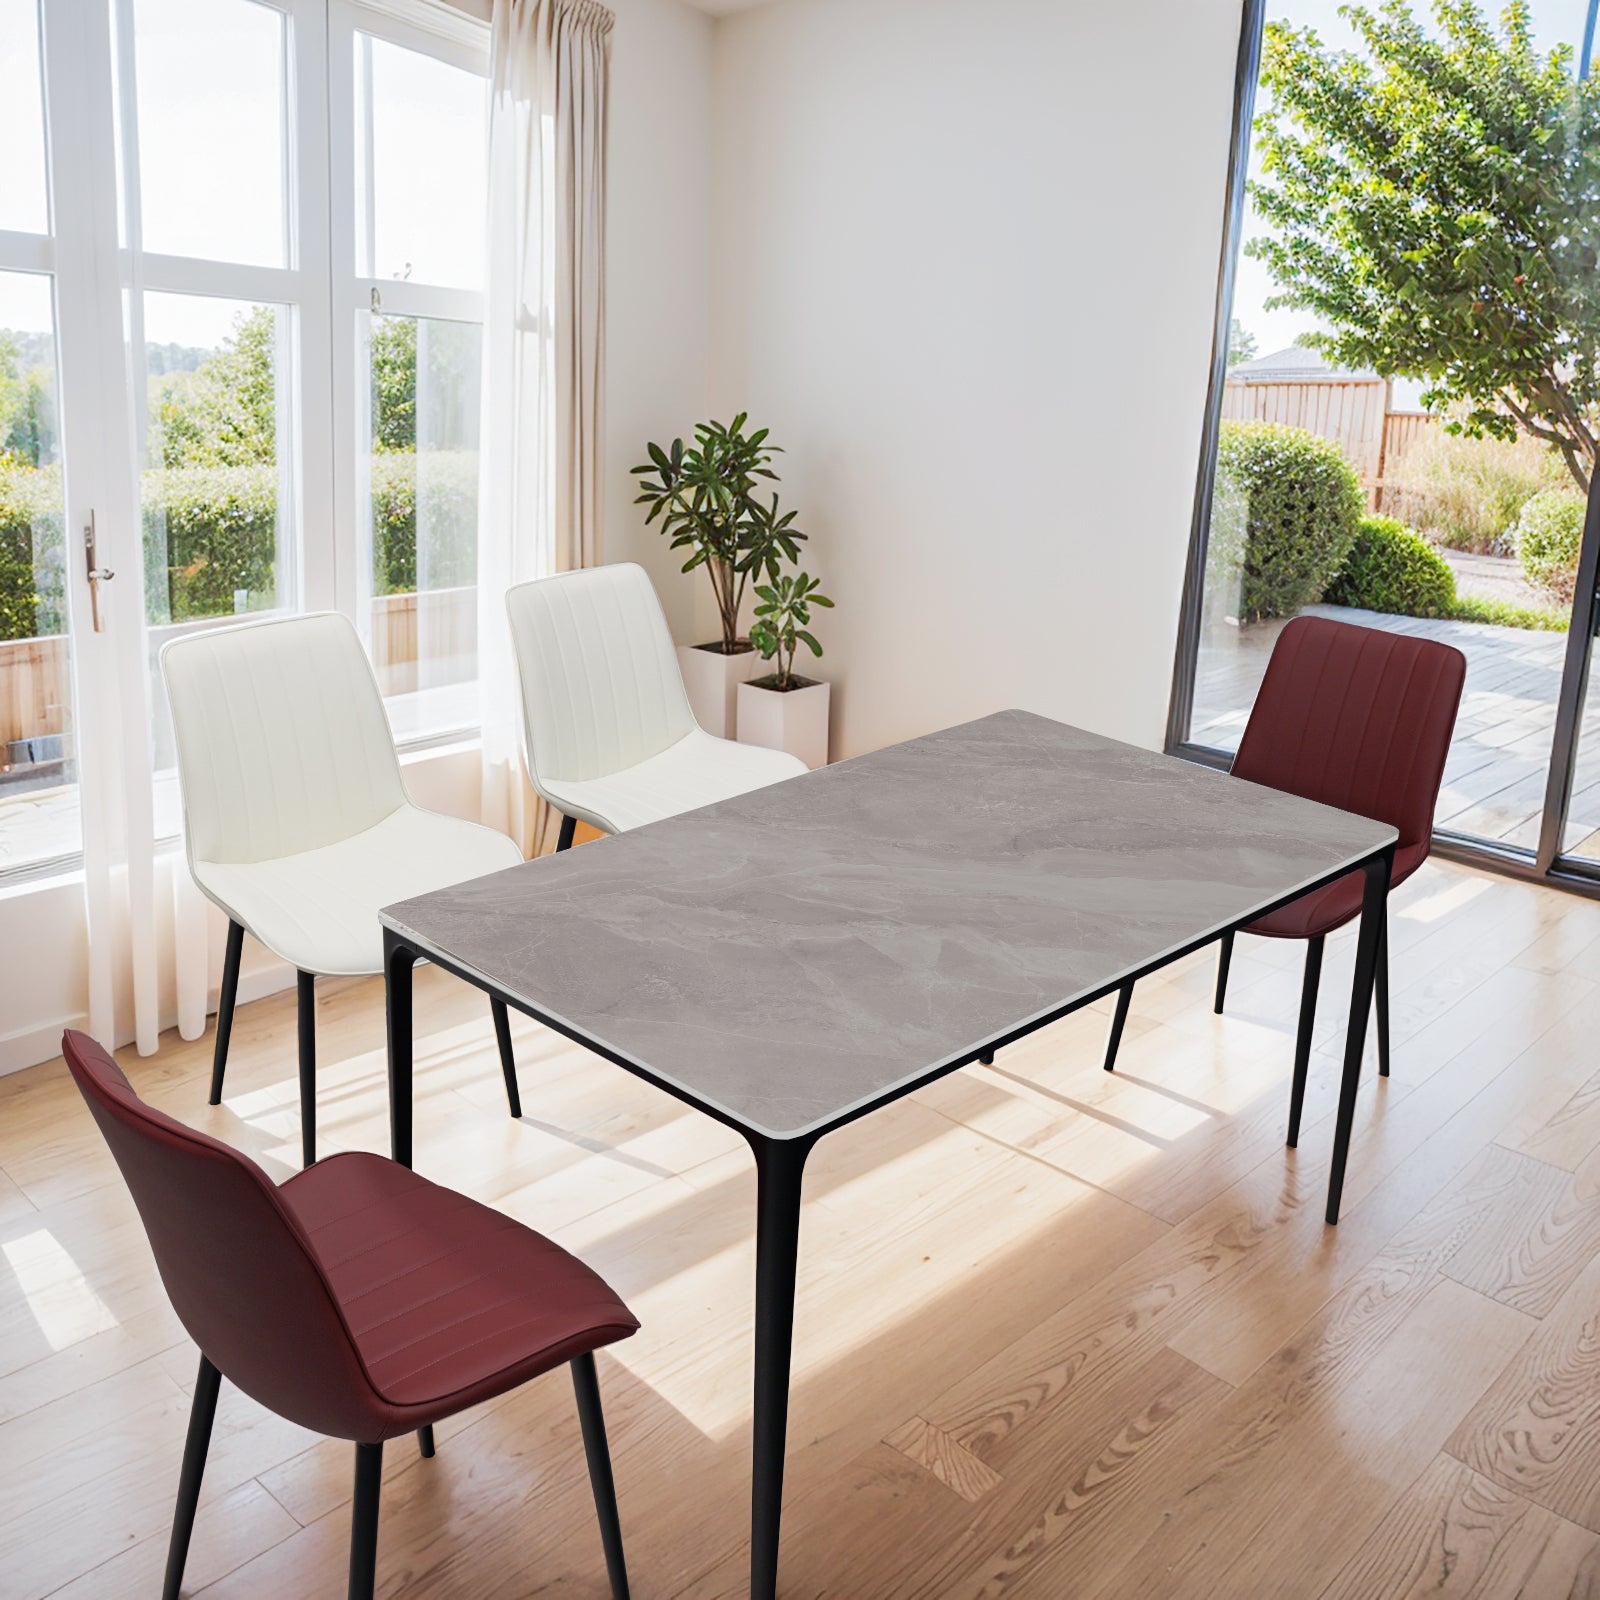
(431, 28)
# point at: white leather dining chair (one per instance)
(607, 734)
(296, 820)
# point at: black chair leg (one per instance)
(308, 1068)
(569, 829)
(230, 992)
(364, 1522)
(201, 1415)
(986, 1058)
(1302, 1043)
(508, 1062)
(1119, 1019)
(1224, 960)
(425, 1442)
(1381, 989)
(593, 1421)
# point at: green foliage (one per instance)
(393, 350)
(1285, 513)
(706, 498)
(27, 399)
(1434, 198)
(1467, 494)
(208, 531)
(783, 621)
(32, 576)
(1241, 343)
(1548, 535)
(1470, 608)
(224, 413)
(1391, 569)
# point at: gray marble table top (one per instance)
(793, 955)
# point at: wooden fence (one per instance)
(417, 641)
(1353, 412)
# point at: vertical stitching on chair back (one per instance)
(601, 690)
(242, 1276)
(283, 745)
(1356, 718)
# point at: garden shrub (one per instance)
(1466, 494)
(1391, 569)
(1548, 535)
(1293, 503)
(32, 588)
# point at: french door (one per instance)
(241, 261)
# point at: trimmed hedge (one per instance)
(32, 576)
(1391, 569)
(1548, 535)
(1286, 510)
(209, 531)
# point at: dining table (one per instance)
(791, 960)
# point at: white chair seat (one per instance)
(319, 910)
(696, 771)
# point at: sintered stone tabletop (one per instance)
(796, 953)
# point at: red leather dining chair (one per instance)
(357, 1299)
(1360, 719)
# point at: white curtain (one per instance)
(544, 348)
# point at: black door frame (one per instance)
(1546, 864)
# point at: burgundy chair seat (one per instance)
(1326, 909)
(357, 1300)
(448, 1302)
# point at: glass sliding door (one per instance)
(1405, 403)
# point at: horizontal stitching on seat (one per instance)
(414, 1267)
(444, 1327)
(388, 1239)
(502, 1333)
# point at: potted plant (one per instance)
(783, 710)
(708, 497)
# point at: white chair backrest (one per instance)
(601, 689)
(283, 744)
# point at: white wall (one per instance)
(964, 266)
(658, 275)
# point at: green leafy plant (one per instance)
(1431, 198)
(783, 622)
(1549, 533)
(1393, 570)
(1466, 494)
(1285, 515)
(708, 499)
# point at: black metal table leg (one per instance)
(780, 1166)
(1119, 1020)
(1374, 900)
(569, 830)
(398, 960)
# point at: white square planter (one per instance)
(712, 680)
(796, 720)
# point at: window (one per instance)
(296, 247)
(1362, 460)
(415, 307)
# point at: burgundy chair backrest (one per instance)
(1356, 718)
(236, 1265)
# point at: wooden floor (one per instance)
(1060, 1334)
(1494, 783)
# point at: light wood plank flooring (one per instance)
(1060, 1334)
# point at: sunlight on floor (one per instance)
(58, 1296)
(1445, 901)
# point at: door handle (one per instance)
(96, 573)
